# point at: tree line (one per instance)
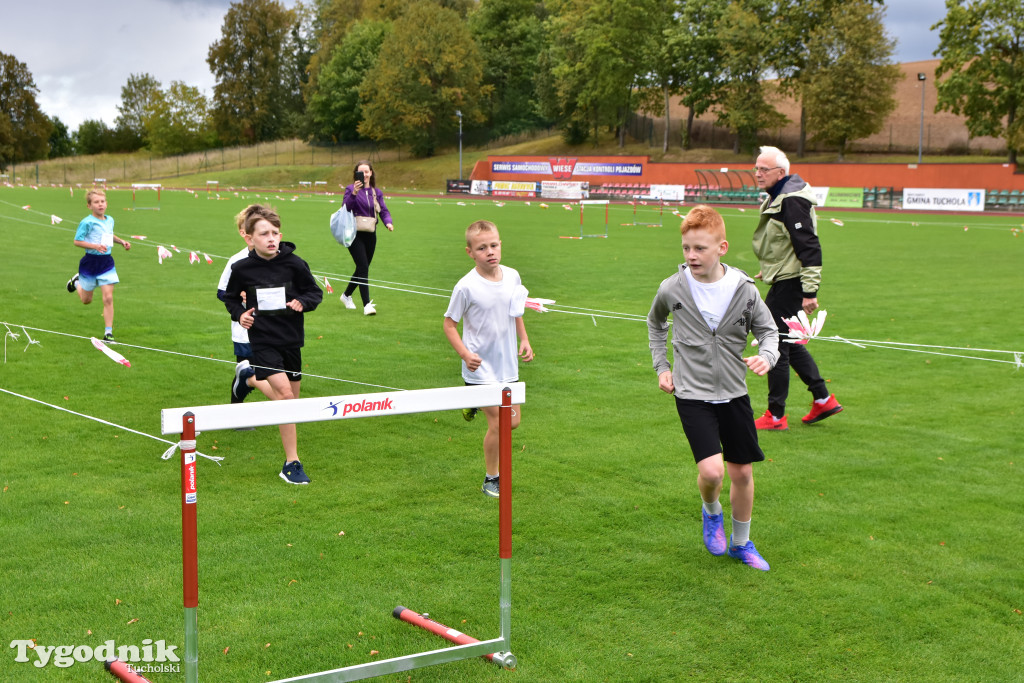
(413, 73)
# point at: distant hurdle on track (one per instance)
(136, 187)
(186, 421)
(590, 202)
(661, 214)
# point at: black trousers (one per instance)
(784, 300)
(361, 251)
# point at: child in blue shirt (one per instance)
(96, 235)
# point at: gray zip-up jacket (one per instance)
(709, 365)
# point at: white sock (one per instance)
(713, 508)
(822, 401)
(740, 532)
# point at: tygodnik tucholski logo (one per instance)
(151, 657)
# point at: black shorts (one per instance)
(270, 360)
(726, 428)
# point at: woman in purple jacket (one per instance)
(366, 202)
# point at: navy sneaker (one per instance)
(748, 555)
(239, 388)
(490, 487)
(109, 336)
(72, 284)
(293, 474)
(714, 532)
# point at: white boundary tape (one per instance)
(344, 407)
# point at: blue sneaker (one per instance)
(239, 388)
(293, 474)
(714, 532)
(748, 555)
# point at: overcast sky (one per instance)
(80, 53)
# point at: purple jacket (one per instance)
(361, 204)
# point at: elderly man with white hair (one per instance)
(787, 248)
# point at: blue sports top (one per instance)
(92, 229)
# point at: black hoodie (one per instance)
(280, 327)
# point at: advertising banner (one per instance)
(557, 189)
(535, 167)
(565, 168)
(840, 197)
(459, 187)
(481, 187)
(670, 193)
(511, 188)
(937, 199)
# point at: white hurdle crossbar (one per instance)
(187, 421)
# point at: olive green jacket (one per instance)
(786, 239)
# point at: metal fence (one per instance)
(114, 168)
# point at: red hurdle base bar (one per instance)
(124, 672)
(504, 659)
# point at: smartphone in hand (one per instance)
(361, 177)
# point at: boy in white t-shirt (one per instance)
(714, 308)
(483, 301)
(240, 386)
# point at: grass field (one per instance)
(890, 528)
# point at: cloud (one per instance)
(910, 24)
(81, 54)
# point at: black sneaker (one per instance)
(109, 336)
(469, 413)
(72, 283)
(239, 388)
(293, 474)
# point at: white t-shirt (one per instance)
(712, 298)
(238, 333)
(488, 328)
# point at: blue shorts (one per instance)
(243, 351)
(89, 283)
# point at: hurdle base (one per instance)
(399, 664)
(123, 671)
(506, 660)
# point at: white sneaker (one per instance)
(347, 300)
(368, 309)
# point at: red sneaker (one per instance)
(767, 421)
(819, 411)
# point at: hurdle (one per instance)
(145, 186)
(584, 202)
(661, 213)
(186, 421)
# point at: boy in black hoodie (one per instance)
(278, 288)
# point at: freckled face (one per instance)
(703, 252)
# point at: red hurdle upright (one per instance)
(189, 546)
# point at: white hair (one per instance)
(781, 160)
